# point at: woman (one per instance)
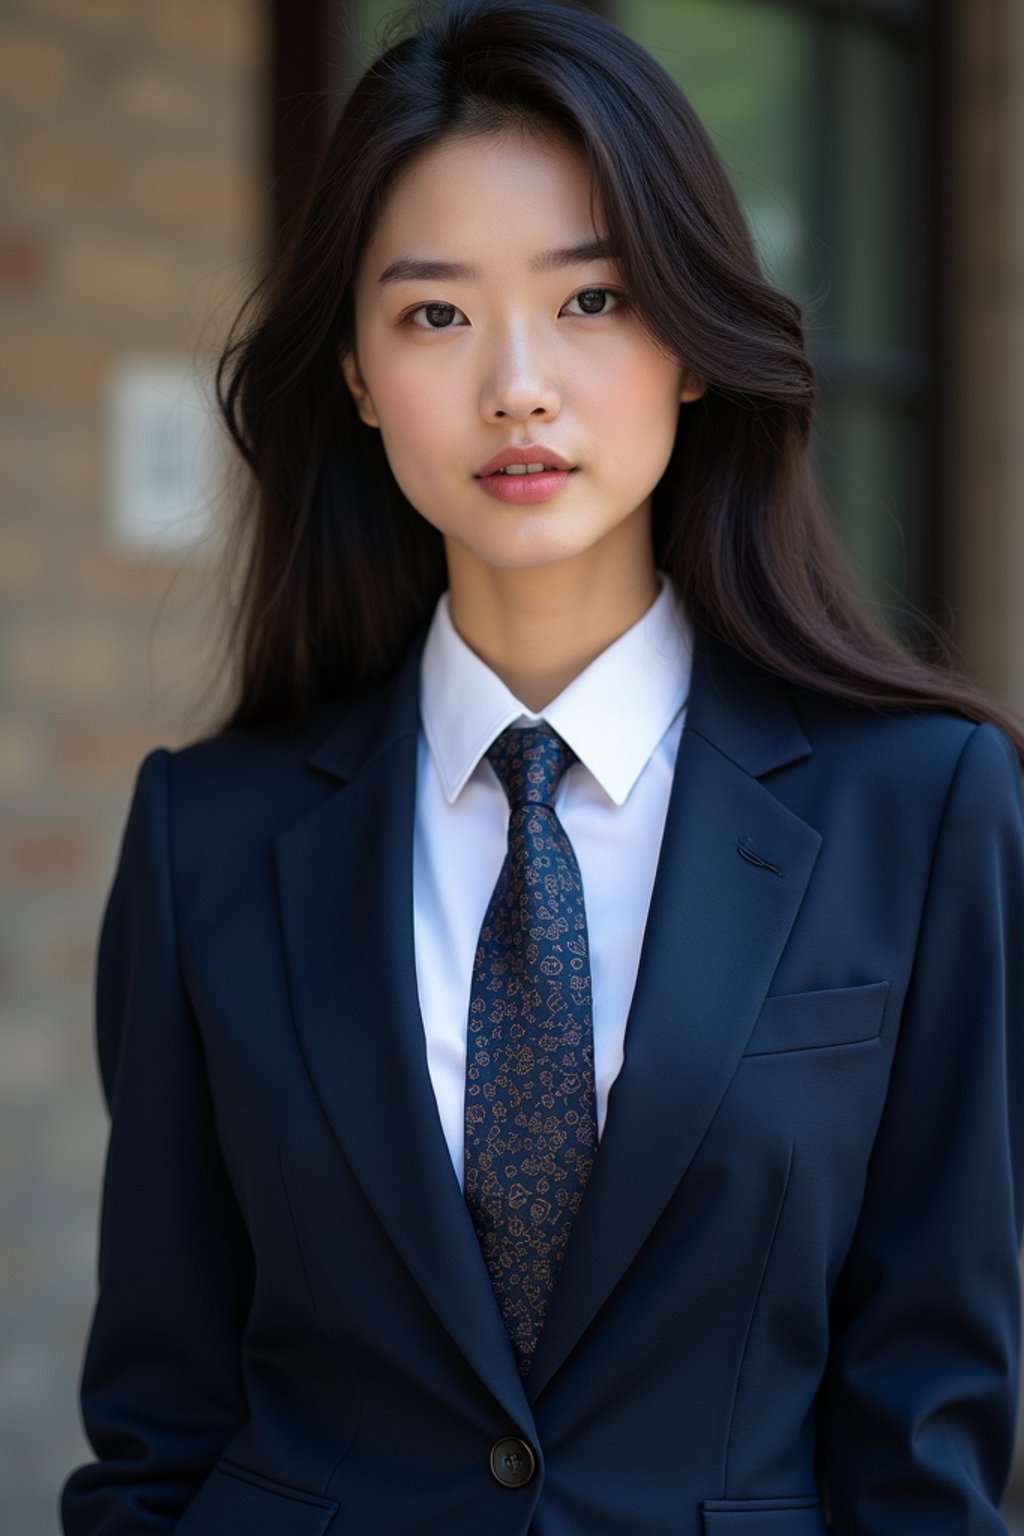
(563, 1034)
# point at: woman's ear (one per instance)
(693, 387)
(358, 389)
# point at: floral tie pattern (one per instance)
(531, 1120)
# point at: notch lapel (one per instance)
(345, 889)
(716, 928)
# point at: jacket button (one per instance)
(512, 1462)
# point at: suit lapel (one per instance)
(345, 890)
(716, 928)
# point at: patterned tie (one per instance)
(531, 1120)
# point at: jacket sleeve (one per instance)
(161, 1388)
(919, 1405)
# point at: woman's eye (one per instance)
(434, 311)
(594, 300)
(438, 314)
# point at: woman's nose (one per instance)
(520, 381)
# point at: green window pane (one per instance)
(747, 68)
(871, 458)
(878, 225)
(818, 118)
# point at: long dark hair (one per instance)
(338, 571)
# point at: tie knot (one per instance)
(530, 762)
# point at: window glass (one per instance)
(871, 455)
(746, 67)
(819, 118)
(878, 164)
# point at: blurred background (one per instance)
(150, 159)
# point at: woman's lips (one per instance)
(522, 455)
(525, 490)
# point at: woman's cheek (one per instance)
(406, 408)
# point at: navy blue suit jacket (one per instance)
(791, 1296)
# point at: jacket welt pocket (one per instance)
(806, 1021)
(763, 1517)
(236, 1502)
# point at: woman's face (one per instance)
(453, 368)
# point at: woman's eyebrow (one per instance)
(423, 268)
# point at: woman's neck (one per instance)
(539, 627)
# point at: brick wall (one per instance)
(133, 205)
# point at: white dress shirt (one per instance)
(622, 716)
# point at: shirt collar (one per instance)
(613, 714)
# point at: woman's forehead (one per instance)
(486, 202)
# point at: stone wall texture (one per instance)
(133, 207)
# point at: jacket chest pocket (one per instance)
(808, 1021)
(763, 1517)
